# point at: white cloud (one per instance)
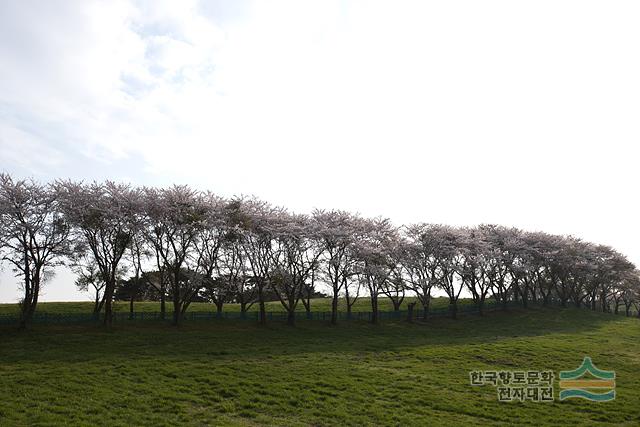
(459, 112)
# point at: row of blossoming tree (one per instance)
(186, 244)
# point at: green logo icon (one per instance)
(600, 388)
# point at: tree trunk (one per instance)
(176, 300)
(219, 305)
(131, 308)
(243, 309)
(25, 313)
(108, 300)
(163, 305)
(176, 313)
(425, 307)
(374, 309)
(27, 293)
(334, 307)
(453, 308)
(108, 314)
(31, 307)
(263, 314)
(291, 317)
(307, 309)
(410, 307)
(96, 305)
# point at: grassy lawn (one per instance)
(226, 372)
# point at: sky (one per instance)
(521, 113)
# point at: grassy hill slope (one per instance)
(238, 373)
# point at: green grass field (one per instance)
(237, 373)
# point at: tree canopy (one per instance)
(184, 245)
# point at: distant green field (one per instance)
(237, 373)
(320, 304)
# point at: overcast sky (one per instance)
(459, 112)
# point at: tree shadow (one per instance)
(246, 339)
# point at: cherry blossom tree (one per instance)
(207, 251)
(474, 253)
(105, 216)
(418, 264)
(337, 232)
(444, 243)
(253, 222)
(33, 236)
(376, 261)
(630, 289)
(245, 250)
(611, 269)
(173, 220)
(546, 276)
(395, 288)
(294, 255)
(497, 262)
(530, 266)
(235, 271)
